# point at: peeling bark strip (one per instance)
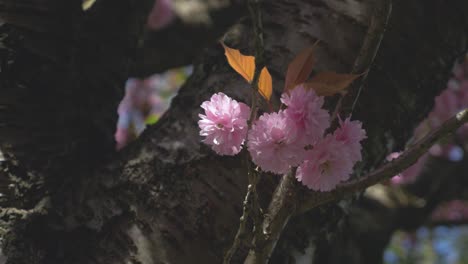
(167, 198)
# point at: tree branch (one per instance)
(405, 160)
(282, 206)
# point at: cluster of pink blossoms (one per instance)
(293, 137)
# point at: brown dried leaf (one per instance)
(300, 68)
(329, 83)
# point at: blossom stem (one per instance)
(371, 44)
(256, 17)
(283, 205)
(251, 206)
(240, 235)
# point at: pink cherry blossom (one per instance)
(305, 109)
(351, 134)
(273, 144)
(224, 124)
(327, 164)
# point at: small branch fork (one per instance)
(285, 201)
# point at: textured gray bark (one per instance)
(167, 198)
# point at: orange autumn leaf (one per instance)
(300, 68)
(329, 83)
(265, 85)
(244, 65)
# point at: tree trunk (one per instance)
(167, 198)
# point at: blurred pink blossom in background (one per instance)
(161, 15)
(456, 210)
(453, 99)
(145, 101)
(410, 174)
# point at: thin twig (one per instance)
(371, 44)
(242, 226)
(367, 54)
